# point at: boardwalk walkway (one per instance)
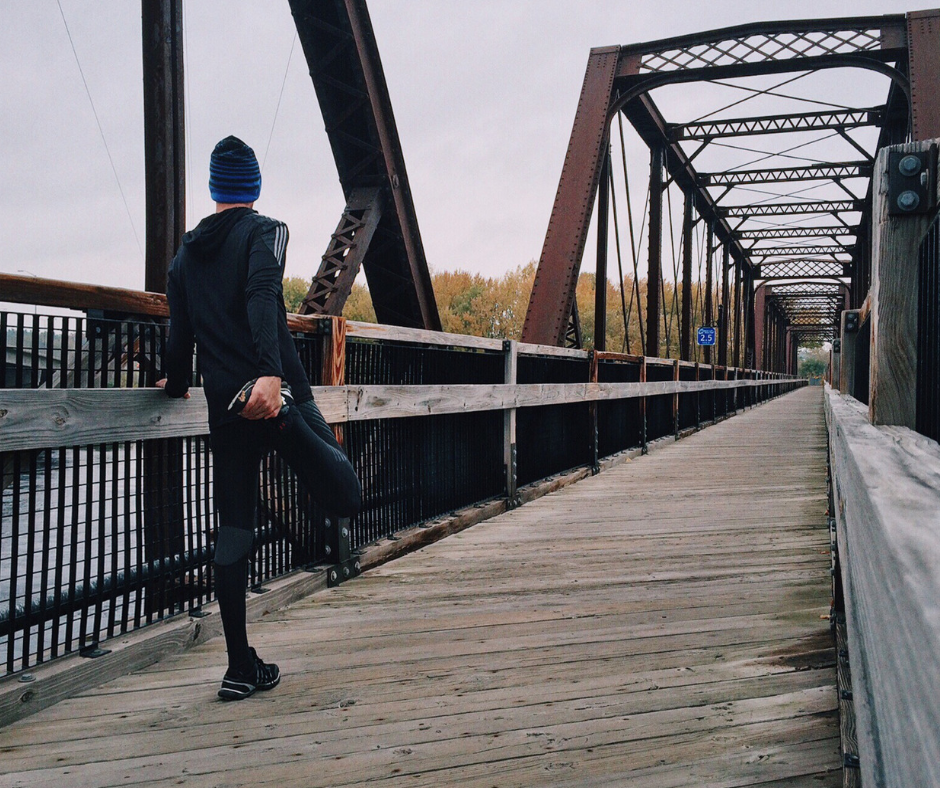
(657, 625)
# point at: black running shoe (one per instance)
(237, 686)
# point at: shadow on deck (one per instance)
(661, 624)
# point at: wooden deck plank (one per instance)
(658, 625)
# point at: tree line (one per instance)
(496, 306)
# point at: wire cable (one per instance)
(279, 97)
(101, 130)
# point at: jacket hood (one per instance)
(207, 236)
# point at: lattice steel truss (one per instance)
(789, 251)
(769, 42)
(800, 269)
(851, 169)
(792, 208)
(795, 232)
(777, 124)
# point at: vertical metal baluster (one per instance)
(46, 551)
(71, 605)
(57, 611)
(115, 537)
(14, 561)
(141, 585)
(31, 526)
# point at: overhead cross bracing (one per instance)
(776, 124)
(826, 95)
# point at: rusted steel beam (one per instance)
(923, 37)
(343, 58)
(685, 324)
(725, 310)
(777, 124)
(550, 304)
(164, 137)
(655, 250)
(600, 278)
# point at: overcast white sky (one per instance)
(484, 94)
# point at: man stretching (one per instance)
(225, 295)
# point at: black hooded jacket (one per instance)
(225, 295)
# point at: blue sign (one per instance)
(706, 336)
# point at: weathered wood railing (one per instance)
(107, 500)
(883, 412)
(886, 506)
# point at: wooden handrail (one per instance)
(47, 418)
(75, 295)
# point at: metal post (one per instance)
(510, 367)
(655, 269)
(164, 177)
(643, 400)
(736, 349)
(709, 286)
(725, 309)
(600, 278)
(675, 400)
(164, 149)
(592, 410)
(685, 327)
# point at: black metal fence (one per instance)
(97, 540)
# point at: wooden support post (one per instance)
(510, 367)
(698, 398)
(894, 300)
(655, 268)
(835, 365)
(675, 401)
(333, 367)
(725, 309)
(600, 275)
(643, 400)
(685, 325)
(592, 409)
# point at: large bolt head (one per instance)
(326, 549)
(346, 571)
(909, 166)
(345, 532)
(333, 574)
(327, 522)
(908, 200)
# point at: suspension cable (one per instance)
(279, 97)
(623, 300)
(101, 130)
(634, 246)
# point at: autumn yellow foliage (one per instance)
(496, 306)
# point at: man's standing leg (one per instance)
(236, 455)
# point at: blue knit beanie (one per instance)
(234, 175)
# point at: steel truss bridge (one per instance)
(685, 603)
